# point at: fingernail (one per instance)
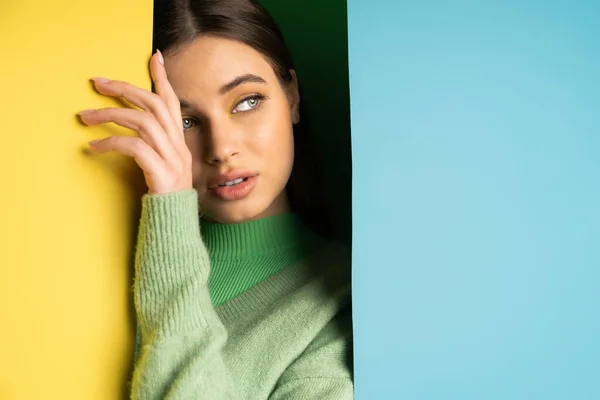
(101, 80)
(161, 60)
(84, 112)
(93, 142)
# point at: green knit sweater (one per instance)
(242, 255)
(278, 325)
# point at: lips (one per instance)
(234, 187)
(230, 178)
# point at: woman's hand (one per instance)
(160, 148)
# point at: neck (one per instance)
(280, 205)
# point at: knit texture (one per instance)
(286, 335)
(242, 255)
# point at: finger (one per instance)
(165, 91)
(142, 122)
(163, 86)
(143, 99)
(148, 160)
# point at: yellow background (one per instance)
(67, 219)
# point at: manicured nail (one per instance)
(161, 59)
(101, 80)
(93, 142)
(84, 112)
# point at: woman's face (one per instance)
(238, 126)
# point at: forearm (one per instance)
(182, 336)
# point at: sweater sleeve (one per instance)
(182, 336)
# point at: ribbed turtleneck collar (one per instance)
(229, 242)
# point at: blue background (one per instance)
(476, 199)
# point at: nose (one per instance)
(221, 143)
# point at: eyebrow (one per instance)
(248, 78)
(240, 80)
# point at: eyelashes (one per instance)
(252, 103)
(245, 106)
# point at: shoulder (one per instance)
(335, 339)
(329, 355)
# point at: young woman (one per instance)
(232, 190)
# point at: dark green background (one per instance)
(316, 33)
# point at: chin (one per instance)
(235, 212)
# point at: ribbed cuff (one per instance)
(171, 264)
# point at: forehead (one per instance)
(210, 62)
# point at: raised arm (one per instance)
(182, 337)
(181, 333)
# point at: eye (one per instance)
(248, 104)
(188, 123)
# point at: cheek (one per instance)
(194, 145)
(275, 141)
